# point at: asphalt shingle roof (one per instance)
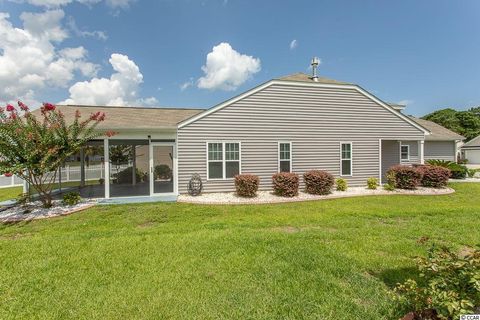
(131, 117)
(437, 132)
(475, 142)
(303, 77)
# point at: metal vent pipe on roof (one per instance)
(315, 62)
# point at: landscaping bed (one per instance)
(270, 197)
(34, 211)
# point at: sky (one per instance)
(189, 53)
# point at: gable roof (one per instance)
(302, 79)
(131, 117)
(474, 143)
(437, 132)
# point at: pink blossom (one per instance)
(8, 174)
(23, 106)
(110, 133)
(97, 116)
(48, 106)
(10, 108)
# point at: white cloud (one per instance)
(405, 102)
(29, 60)
(114, 4)
(102, 35)
(293, 44)
(149, 102)
(186, 84)
(119, 90)
(226, 69)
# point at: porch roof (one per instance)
(437, 132)
(137, 118)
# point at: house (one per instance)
(471, 151)
(441, 143)
(294, 124)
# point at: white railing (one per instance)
(68, 173)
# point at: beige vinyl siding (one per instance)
(442, 150)
(414, 157)
(314, 119)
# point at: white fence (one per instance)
(69, 173)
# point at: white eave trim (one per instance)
(303, 84)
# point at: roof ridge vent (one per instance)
(315, 62)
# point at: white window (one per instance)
(284, 157)
(345, 158)
(223, 159)
(405, 152)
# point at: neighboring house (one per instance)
(471, 151)
(295, 124)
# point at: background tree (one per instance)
(34, 149)
(466, 123)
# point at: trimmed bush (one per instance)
(318, 182)
(71, 198)
(405, 177)
(434, 176)
(125, 176)
(285, 184)
(372, 183)
(163, 171)
(342, 184)
(247, 185)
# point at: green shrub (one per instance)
(404, 177)
(163, 171)
(388, 187)
(449, 286)
(285, 184)
(457, 171)
(434, 176)
(372, 183)
(342, 184)
(71, 198)
(471, 172)
(318, 182)
(125, 176)
(247, 185)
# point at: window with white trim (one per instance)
(232, 159)
(346, 159)
(405, 152)
(223, 160)
(284, 157)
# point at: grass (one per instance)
(10, 193)
(330, 259)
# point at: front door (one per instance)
(162, 168)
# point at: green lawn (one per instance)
(330, 259)
(10, 193)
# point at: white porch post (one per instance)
(82, 167)
(421, 151)
(134, 165)
(380, 160)
(106, 161)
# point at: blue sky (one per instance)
(424, 53)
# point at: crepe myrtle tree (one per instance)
(34, 146)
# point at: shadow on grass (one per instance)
(391, 277)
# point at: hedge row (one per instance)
(320, 182)
(406, 177)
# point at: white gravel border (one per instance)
(265, 197)
(36, 211)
